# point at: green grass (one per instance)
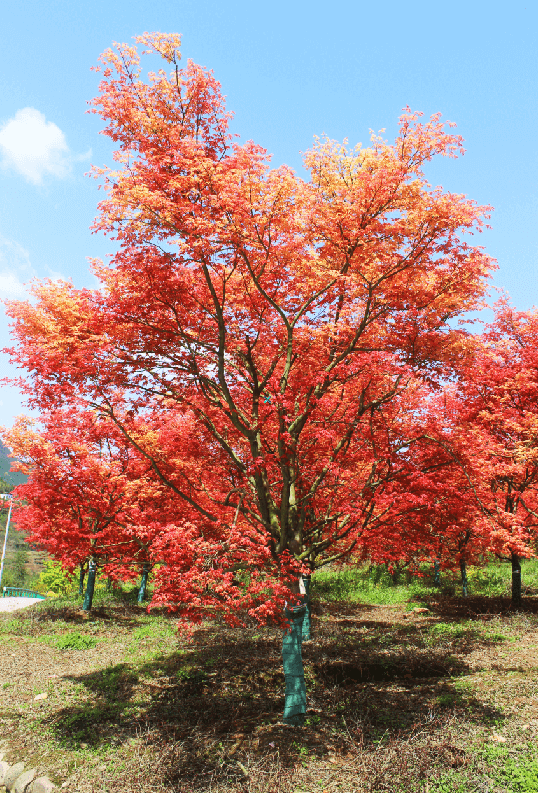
(75, 641)
(499, 767)
(369, 584)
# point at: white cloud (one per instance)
(15, 270)
(33, 146)
(11, 287)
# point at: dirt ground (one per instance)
(398, 700)
(10, 604)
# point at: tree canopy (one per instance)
(268, 353)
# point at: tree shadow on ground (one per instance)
(475, 606)
(126, 613)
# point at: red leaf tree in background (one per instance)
(92, 497)
(498, 433)
(292, 321)
(88, 498)
(429, 509)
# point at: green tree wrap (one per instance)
(464, 581)
(306, 630)
(295, 697)
(516, 579)
(143, 583)
(436, 573)
(90, 585)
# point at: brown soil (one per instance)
(396, 699)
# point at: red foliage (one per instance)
(498, 429)
(262, 342)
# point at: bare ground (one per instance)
(397, 700)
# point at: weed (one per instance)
(110, 680)
(75, 641)
(17, 627)
(152, 631)
(496, 637)
(191, 674)
(448, 632)
(520, 775)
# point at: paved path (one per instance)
(15, 603)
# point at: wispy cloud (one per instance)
(35, 147)
(11, 287)
(15, 270)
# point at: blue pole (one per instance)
(306, 635)
(5, 540)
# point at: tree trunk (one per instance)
(295, 697)
(108, 584)
(394, 574)
(436, 573)
(307, 626)
(81, 580)
(516, 579)
(90, 585)
(464, 582)
(143, 583)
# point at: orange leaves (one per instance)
(167, 45)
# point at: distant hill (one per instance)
(5, 465)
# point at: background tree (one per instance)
(82, 484)
(499, 432)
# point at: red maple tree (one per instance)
(291, 322)
(498, 433)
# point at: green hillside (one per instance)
(23, 563)
(5, 465)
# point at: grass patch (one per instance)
(497, 768)
(75, 641)
(375, 585)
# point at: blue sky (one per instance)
(290, 70)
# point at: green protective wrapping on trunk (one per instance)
(464, 581)
(307, 626)
(516, 579)
(436, 573)
(295, 697)
(143, 583)
(81, 580)
(90, 585)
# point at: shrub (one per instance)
(55, 579)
